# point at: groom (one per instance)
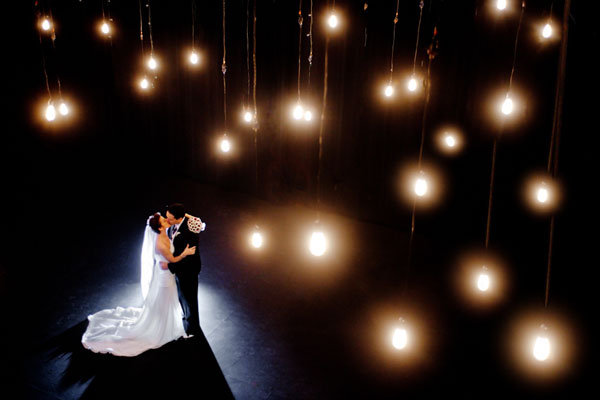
(184, 231)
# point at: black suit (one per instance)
(186, 273)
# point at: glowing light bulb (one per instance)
(225, 145)
(317, 244)
(542, 194)
(50, 112)
(63, 109)
(507, 106)
(400, 338)
(483, 282)
(547, 31)
(412, 84)
(46, 24)
(541, 348)
(421, 187)
(298, 112)
(105, 28)
(389, 91)
(256, 240)
(308, 115)
(450, 140)
(194, 58)
(152, 63)
(501, 5)
(332, 21)
(248, 117)
(144, 84)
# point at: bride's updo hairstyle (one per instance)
(154, 222)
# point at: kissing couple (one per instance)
(169, 281)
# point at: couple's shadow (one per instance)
(182, 367)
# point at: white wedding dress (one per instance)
(131, 331)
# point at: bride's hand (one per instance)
(189, 250)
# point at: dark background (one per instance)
(93, 169)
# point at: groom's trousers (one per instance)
(187, 289)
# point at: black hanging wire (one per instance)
(141, 28)
(421, 4)
(193, 25)
(43, 56)
(255, 127)
(300, 22)
(150, 29)
(393, 40)
(224, 71)
(365, 7)
(556, 129)
(248, 51)
(310, 37)
(495, 145)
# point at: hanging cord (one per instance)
(325, 76)
(300, 21)
(255, 127)
(432, 53)
(224, 71)
(193, 24)
(248, 50)
(43, 59)
(556, 128)
(150, 29)
(512, 71)
(421, 4)
(310, 36)
(393, 40)
(141, 28)
(365, 7)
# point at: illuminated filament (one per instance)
(63, 109)
(194, 58)
(308, 115)
(332, 21)
(501, 5)
(50, 113)
(389, 91)
(450, 140)
(507, 106)
(547, 31)
(400, 338)
(105, 28)
(298, 112)
(144, 84)
(317, 244)
(256, 240)
(542, 195)
(541, 348)
(412, 84)
(46, 25)
(152, 63)
(421, 187)
(248, 117)
(225, 145)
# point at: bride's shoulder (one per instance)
(194, 223)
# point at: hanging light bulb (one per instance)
(333, 20)
(105, 28)
(144, 83)
(389, 91)
(152, 64)
(45, 24)
(317, 244)
(421, 186)
(308, 115)
(412, 84)
(483, 281)
(50, 112)
(256, 240)
(194, 58)
(63, 109)
(541, 347)
(225, 144)
(501, 5)
(542, 193)
(450, 140)
(400, 337)
(507, 106)
(248, 117)
(547, 30)
(298, 112)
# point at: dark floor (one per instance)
(277, 324)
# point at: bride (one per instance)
(131, 331)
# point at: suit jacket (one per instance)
(188, 234)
